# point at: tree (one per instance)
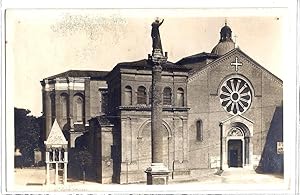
(83, 158)
(27, 134)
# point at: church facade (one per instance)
(220, 110)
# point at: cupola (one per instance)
(226, 43)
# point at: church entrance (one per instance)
(235, 153)
(236, 144)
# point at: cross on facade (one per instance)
(236, 64)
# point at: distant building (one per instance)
(221, 109)
(73, 97)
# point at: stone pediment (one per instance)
(56, 136)
(237, 121)
(238, 54)
(238, 118)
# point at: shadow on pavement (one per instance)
(34, 184)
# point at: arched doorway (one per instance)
(235, 153)
(238, 138)
(236, 142)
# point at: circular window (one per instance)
(235, 96)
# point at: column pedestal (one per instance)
(157, 174)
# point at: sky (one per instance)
(44, 42)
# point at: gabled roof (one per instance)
(81, 73)
(146, 65)
(230, 53)
(56, 137)
(197, 61)
(260, 66)
(200, 57)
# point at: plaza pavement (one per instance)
(233, 179)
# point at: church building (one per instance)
(220, 110)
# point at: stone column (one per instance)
(156, 115)
(221, 146)
(225, 153)
(71, 96)
(47, 113)
(59, 154)
(87, 114)
(56, 172)
(65, 173)
(53, 154)
(246, 151)
(47, 168)
(157, 173)
(185, 139)
(65, 166)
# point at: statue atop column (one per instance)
(156, 41)
(157, 173)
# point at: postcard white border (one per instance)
(291, 93)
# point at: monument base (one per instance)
(157, 174)
(158, 57)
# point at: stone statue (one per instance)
(156, 41)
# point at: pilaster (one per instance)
(87, 100)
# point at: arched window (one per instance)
(167, 96)
(78, 108)
(141, 95)
(52, 104)
(180, 97)
(199, 130)
(128, 95)
(64, 105)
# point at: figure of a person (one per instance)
(156, 41)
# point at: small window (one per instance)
(141, 95)
(167, 96)
(128, 96)
(199, 130)
(180, 97)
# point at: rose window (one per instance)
(235, 96)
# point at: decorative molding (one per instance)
(235, 131)
(76, 86)
(148, 108)
(242, 56)
(61, 86)
(164, 123)
(236, 116)
(49, 87)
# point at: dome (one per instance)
(223, 47)
(226, 43)
(225, 33)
